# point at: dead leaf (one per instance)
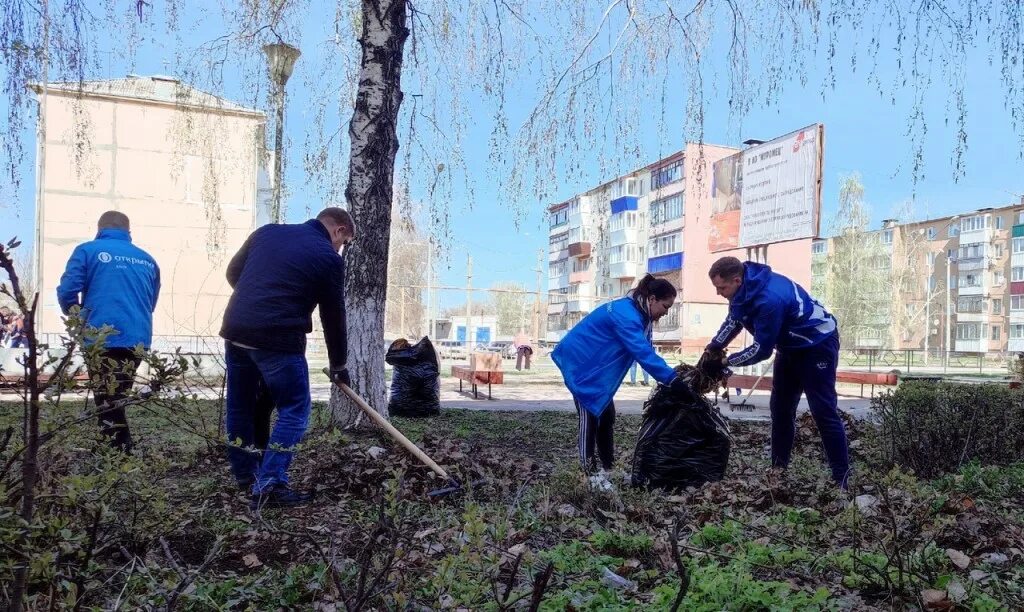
(517, 550)
(251, 560)
(958, 558)
(419, 535)
(936, 600)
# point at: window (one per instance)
(997, 306)
(931, 283)
(1017, 331)
(999, 250)
(971, 331)
(931, 259)
(622, 221)
(995, 328)
(931, 233)
(1017, 273)
(1016, 303)
(970, 304)
(951, 254)
(556, 269)
(998, 278)
(663, 245)
(580, 265)
(952, 231)
(819, 247)
(887, 236)
(970, 279)
(667, 209)
(559, 217)
(667, 175)
(999, 225)
(1018, 245)
(972, 251)
(977, 222)
(559, 242)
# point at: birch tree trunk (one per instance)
(373, 134)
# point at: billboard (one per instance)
(768, 193)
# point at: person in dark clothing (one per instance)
(782, 316)
(112, 282)
(281, 273)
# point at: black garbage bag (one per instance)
(415, 381)
(681, 443)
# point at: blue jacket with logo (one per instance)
(116, 283)
(777, 311)
(596, 354)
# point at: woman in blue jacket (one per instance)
(595, 355)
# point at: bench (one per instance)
(468, 374)
(764, 383)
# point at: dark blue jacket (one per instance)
(596, 354)
(116, 283)
(777, 311)
(280, 274)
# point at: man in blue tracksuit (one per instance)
(281, 273)
(114, 283)
(782, 316)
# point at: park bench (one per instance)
(764, 383)
(483, 369)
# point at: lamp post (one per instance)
(281, 59)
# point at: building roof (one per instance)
(157, 88)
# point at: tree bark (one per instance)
(374, 138)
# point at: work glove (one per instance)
(339, 376)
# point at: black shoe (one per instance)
(279, 496)
(245, 486)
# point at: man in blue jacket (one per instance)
(113, 282)
(782, 316)
(281, 273)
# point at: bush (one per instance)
(934, 428)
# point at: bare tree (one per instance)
(406, 272)
(514, 310)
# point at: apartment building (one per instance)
(652, 220)
(955, 283)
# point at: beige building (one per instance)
(184, 165)
(956, 283)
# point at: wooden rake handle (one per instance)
(392, 431)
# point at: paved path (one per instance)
(555, 397)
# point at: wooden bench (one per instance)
(474, 377)
(764, 383)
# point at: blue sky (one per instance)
(865, 133)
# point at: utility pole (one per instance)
(536, 309)
(280, 60)
(430, 289)
(469, 301)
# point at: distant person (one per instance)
(16, 331)
(524, 350)
(782, 316)
(281, 273)
(632, 375)
(594, 357)
(6, 319)
(114, 283)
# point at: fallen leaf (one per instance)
(956, 591)
(958, 558)
(936, 600)
(517, 550)
(419, 535)
(995, 558)
(251, 560)
(977, 575)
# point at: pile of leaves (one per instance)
(175, 533)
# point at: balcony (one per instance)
(970, 346)
(1015, 345)
(558, 282)
(556, 308)
(665, 263)
(558, 255)
(622, 269)
(626, 235)
(972, 317)
(973, 263)
(983, 235)
(579, 249)
(583, 276)
(580, 304)
(1017, 288)
(981, 289)
(624, 203)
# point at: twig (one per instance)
(172, 600)
(681, 570)
(540, 584)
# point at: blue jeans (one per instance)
(287, 379)
(811, 371)
(632, 374)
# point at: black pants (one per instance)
(114, 375)
(599, 432)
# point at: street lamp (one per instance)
(281, 59)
